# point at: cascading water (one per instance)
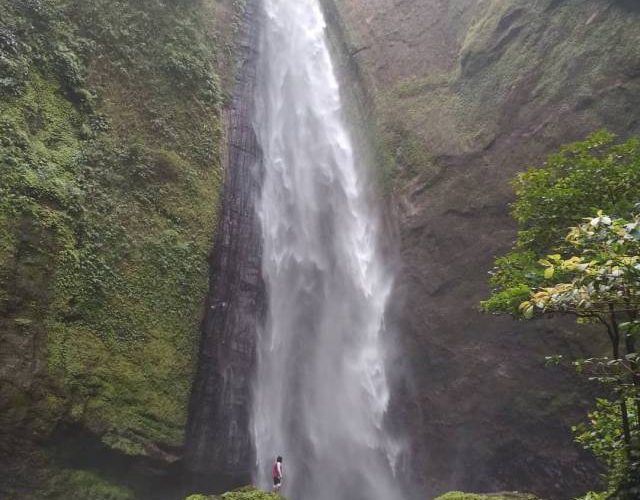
(321, 393)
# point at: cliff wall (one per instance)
(219, 452)
(110, 168)
(463, 95)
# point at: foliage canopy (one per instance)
(578, 254)
(584, 177)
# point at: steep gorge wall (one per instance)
(110, 170)
(219, 452)
(464, 95)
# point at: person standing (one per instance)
(276, 473)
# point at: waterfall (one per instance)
(320, 392)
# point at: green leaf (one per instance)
(526, 309)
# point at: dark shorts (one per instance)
(276, 481)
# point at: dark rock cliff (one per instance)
(218, 448)
(464, 95)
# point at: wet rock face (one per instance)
(465, 95)
(25, 417)
(218, 447)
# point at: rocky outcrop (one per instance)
(466, 94)
(218, 448)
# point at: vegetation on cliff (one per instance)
(503, 72)
(110, 131)
(592, 273)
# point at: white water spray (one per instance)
(321, 391)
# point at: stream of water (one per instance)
(321, 392)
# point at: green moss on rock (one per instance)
(86, 485)
(246, 493)
(110, 136)
(459, 495)
(517, 58)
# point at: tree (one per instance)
(593, 274)
(600, 283)
(596, 174)
(601, 435)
